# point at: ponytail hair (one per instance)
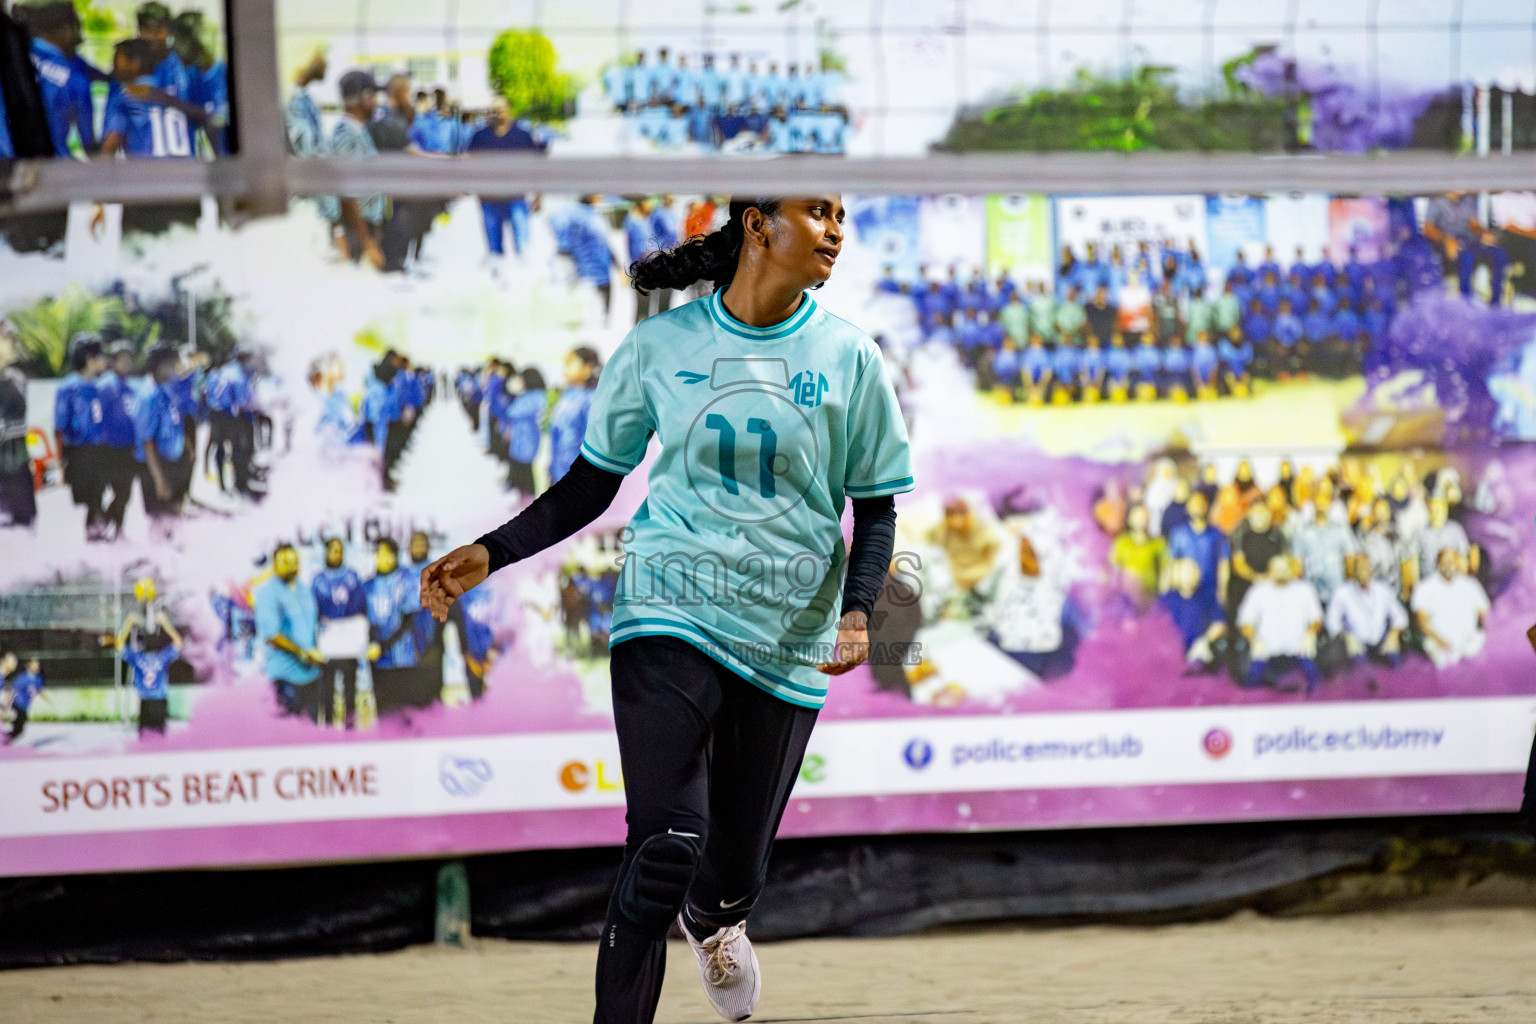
(710, 257)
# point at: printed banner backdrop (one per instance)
(888, 225)
(1019, 236)
(1126, 221)
(1185, 561)
(1357, 225)
(953, 232)
(1299, 223)
(1234, 224)
(867, 78)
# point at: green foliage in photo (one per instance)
(522, 67)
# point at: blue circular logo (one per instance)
(918, 753)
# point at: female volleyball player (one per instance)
(733, 608)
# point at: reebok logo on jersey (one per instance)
(689, 377)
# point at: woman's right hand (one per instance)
(452, 576)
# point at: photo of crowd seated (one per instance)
(1153, 320)
(137, 82)
(730, 102)
(1287, 583)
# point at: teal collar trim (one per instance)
(727, 322)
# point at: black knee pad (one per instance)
(652, 890)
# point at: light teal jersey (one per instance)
(764, 431)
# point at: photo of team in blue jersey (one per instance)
(125, 669)
(333, 621)
(733, 102)
(163, 94)
(382, 412)
(1147, 324)
(119, 418)
(513, 412)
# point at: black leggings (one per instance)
(709, 761)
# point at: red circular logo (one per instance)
(1218, 743)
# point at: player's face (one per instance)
(70, 37)
(419, 548)
(286, 564)
(807, 237)
(334, 553)
(124, 69)
(157, 36)
(385, 561)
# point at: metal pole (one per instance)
(262, 137)
(1483, 127)
(118, 697)
(1507, 124)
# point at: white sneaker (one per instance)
(728, 965)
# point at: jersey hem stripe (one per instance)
(691, 638)
(765, 687)
(604, 462)
(719, 651)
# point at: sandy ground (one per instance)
(1423, 967)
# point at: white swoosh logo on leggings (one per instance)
(734, 903)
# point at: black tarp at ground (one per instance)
(845, 886)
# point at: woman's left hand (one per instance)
(852, 645)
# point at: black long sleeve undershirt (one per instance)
(573, 501)
(869, 554)
(586, 491)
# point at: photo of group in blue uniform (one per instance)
(120, 418)
(339, 632)
(732, 101)
(164, 93)
(515, 412)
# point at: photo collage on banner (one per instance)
(1252, 511)
(123, 78)
(687, 77)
